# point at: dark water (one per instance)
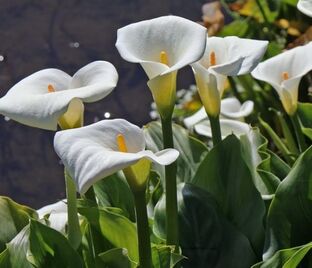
(68, 34)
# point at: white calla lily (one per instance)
(230, 108)
(57, 215)
(162, 46)
(41, 99)
(227, 127)
(284, 73)
(93, 152)
(305, 6)
(229, 56)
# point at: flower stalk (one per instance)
(145, 255)
(215, 129)
(171, 188)
(74, 234)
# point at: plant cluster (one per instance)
(200, 187)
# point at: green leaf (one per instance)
(238, 28)
(290, 215)
(15, 254)
(114, 191)
(287, 258)
(50, 248)
(258, 160)
(115, 258)
(164, 257)
(207, 238)
(13, 218)
(114, 227)
(191, 150)
(305, 115)
(224, 174)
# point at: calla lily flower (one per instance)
(229, 56)
(162, 46)
(57, 215)
(227, 127)
(231, 108)
(284, 73)
(50, 96)
(305, 6)
(96, 151)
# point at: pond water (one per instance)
(68, 34)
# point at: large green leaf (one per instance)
(224, 174)
(258, 160)
(13, 218)
(288, 258)
(290, 215)
(191, 150)
(207, 238)
(15, 255)
(114, 191)
(114, 227)
(50, 248)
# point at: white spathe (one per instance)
(182, 40)
(231, 108)
(293, 64)
(30, 102)
(233, 56)
(162, 46)
(305, 6)
(91, 153)
(227, 127)
(56, 214)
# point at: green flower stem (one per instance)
(215, 129)
(299, 135)
(74, 234)
(145, 254)
(171, 188)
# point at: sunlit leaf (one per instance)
(13, 218)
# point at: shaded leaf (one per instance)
(290, 215)
(224, 174)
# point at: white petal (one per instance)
(296, 62)
(305, 6)
(142, 42)
(91, 153)
(192, 120)
(57, 215)
(227, 127)
(30, 103)
(231, 108)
